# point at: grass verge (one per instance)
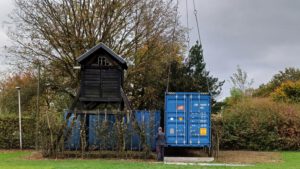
(19, 160)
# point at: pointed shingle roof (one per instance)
(101, 45)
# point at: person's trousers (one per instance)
(160, 150)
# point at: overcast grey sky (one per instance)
(262, 36)
(6, 6)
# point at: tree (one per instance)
(235, 96)
(55, 33)
(289, 74)
(288, 92)
(146, 80)
(8, 93)
(241, 87)
(240, 81)
(192, 75)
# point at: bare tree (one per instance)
(241, 81)
(54, 32)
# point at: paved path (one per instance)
(188, 159)
(201, 161)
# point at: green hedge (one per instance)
(261, 124)
(9, 132)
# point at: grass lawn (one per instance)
(17, 160)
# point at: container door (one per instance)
(199, 119)
(176, 119)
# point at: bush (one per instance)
(51, 127)
(288, 92)
(261, 124)
(9, 132)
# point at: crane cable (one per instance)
(198, 30)
(187, 24)
(173, 40)
(196, 17)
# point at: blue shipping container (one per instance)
(187, 119)
(100, 127)
(72, 132)
(101, 130)
(148, 121)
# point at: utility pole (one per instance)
(20, 120)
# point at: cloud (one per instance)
(5, 8)
(261, 36)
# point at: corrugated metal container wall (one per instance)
(72, 133)
(146, 120)
(101, 130)
(187, 119)
(149, 122)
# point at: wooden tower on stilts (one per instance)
(101, 80)
(101, 85)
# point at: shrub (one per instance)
(261, 124)
(9, 132)
(288, 92)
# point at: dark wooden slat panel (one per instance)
(110, 85)
(91, 76)
(92, 87)
(113, 99)
(105, 95)
(110, 93)
(101, 85)
(87, 85)
(110, 90)
(90, 95)
(91, 71)
(92, 91)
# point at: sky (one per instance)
(6, 7)
(263, 37)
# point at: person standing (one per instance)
(160, 144)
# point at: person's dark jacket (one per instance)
(160, 139)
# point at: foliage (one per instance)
(192, 76)
(241, 87)
(261, 124)
(144, 32)
(9, 96)
(235, 96)
(289, 74)
(240, 80)
(288, 92)
(216, 132)
(264, 90)
(54, 33)
(50, 124)
(9, 132)
(146, 79)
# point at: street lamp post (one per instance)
(37, 109)
(20, 120)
